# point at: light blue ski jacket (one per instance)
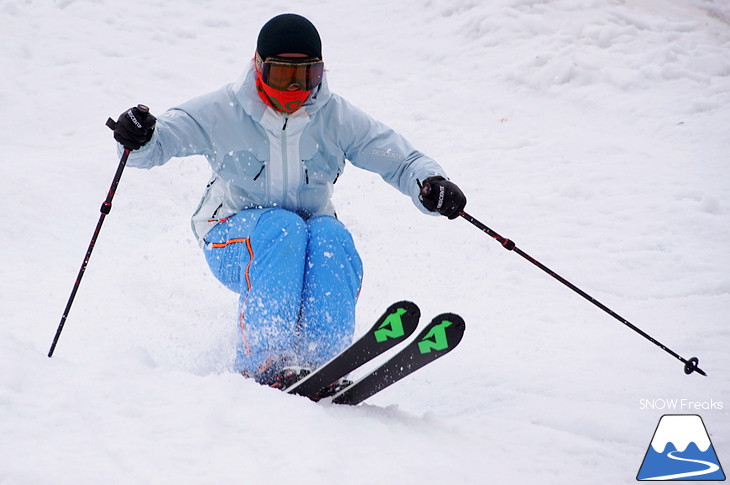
(263, 158)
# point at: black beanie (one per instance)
(286, 33)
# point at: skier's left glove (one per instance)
(442, 196)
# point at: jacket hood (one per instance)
(245, 92)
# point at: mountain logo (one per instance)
(681, 450)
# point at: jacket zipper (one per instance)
(284, 161)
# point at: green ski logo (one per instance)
(392, 327)
(438, 338)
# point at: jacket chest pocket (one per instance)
(243, 165)
(320, 166)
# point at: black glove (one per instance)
(134, 127)
(442, 196)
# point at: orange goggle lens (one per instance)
(284, 74)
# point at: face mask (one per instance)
(284, 101)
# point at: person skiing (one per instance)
(277, 141)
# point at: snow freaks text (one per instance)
(663, 404)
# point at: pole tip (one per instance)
(691, 366)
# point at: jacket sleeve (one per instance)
(373, 146)
(178, 133)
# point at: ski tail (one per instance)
(436, 340)
(395, 325)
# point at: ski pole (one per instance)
(690, 365)
(106, 207)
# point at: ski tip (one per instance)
(451, 317)
(409, 307)
(441, 335)
(397, 323)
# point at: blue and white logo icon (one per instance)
(681, 450)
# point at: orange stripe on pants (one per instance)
(234, 241)
(247, 275)
(241, 319)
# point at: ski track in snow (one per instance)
(592, 133)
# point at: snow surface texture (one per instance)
(593, 133)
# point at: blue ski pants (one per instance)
(298, 282)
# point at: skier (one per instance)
(277, 141)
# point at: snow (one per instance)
(592, 133)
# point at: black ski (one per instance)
(395, 325)
(437, 339)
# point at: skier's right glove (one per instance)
(134, 127)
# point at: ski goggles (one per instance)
(283, 73)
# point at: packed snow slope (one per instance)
(594, 133)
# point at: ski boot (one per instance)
(280, 373)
